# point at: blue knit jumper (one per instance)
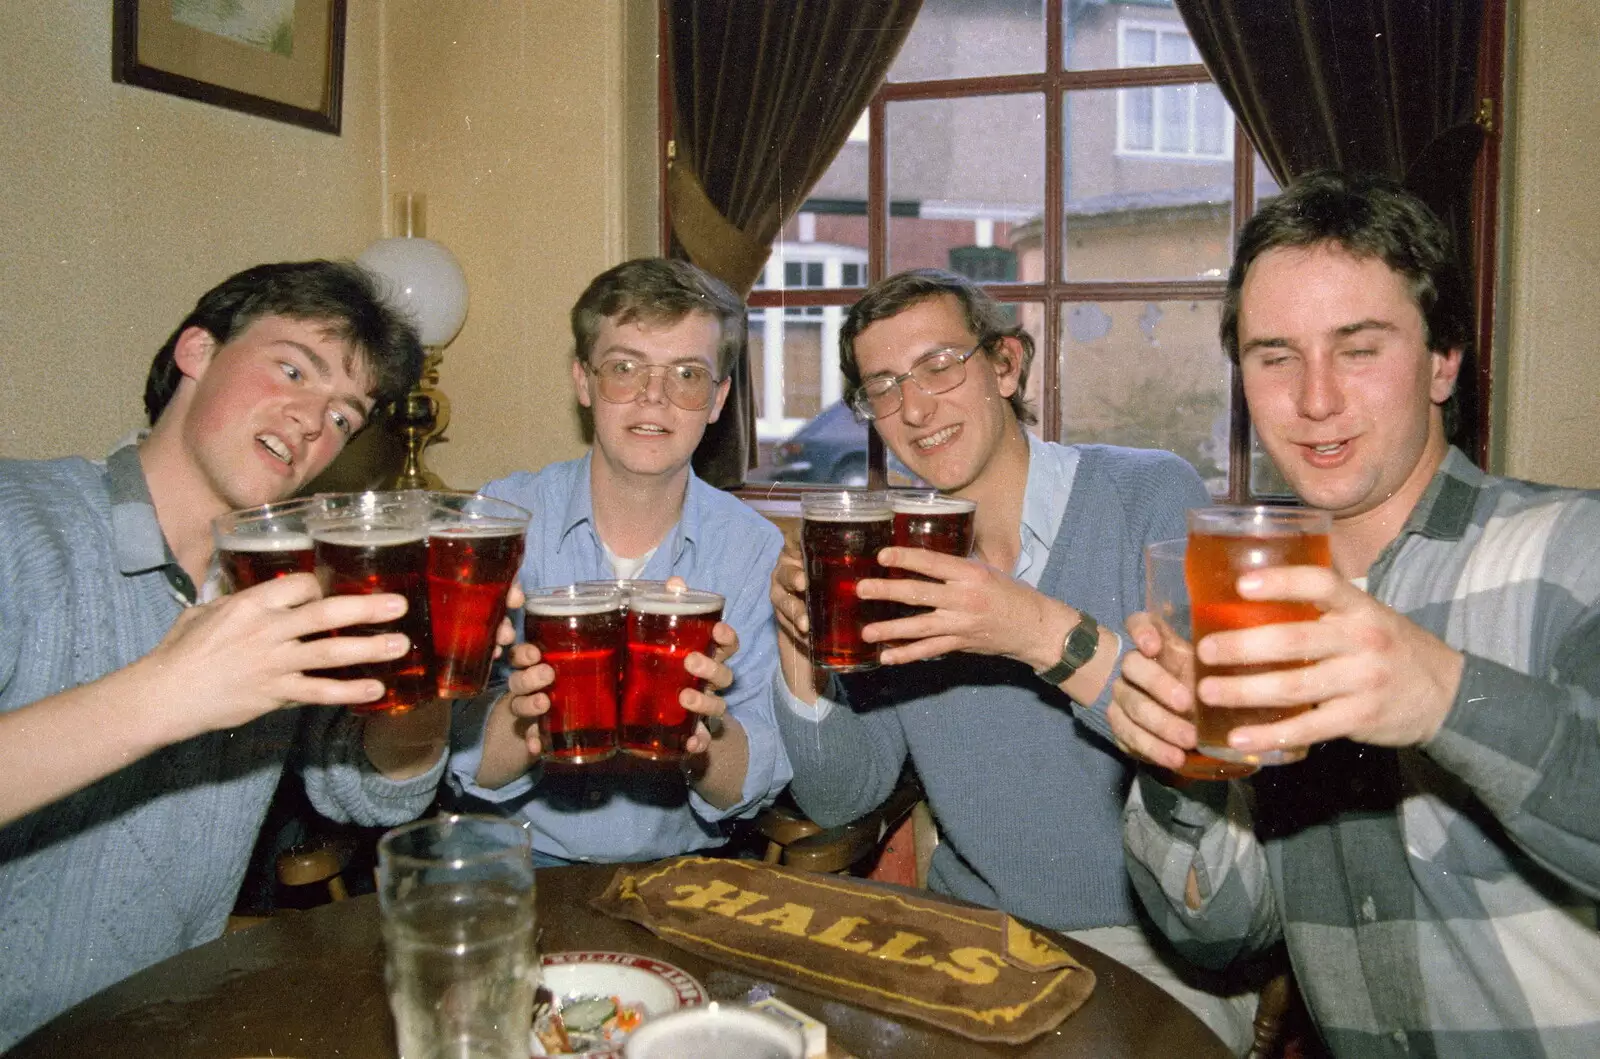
(147, 861)
(1024, 783)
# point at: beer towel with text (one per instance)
(974, 971)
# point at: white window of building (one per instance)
(1169, 121)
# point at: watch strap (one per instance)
(1076, 650)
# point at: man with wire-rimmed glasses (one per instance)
(653, 343)
(998, 694)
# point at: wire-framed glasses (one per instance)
(939, 371)
(621, 381)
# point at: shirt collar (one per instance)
(1445, 510)
(140, 544)
(1051, 469)
(580, 508)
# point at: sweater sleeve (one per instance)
(846, 764)
(1206, 829)
(343, 784)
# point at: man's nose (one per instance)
(653, 386)
(915, 405)
(1321, 394)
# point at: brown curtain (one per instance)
(1377, 86)
(764, 95)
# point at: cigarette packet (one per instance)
(814, 1032)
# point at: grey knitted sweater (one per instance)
(147, 861)
(1024, 783)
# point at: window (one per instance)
(1074, 158)
(1173, 120)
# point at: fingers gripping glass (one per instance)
(937, 372)
(621, 381)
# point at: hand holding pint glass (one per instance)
(928, 519)
(579, 630)
(841, 535)
(665, 626)
(364, 543)
(1224, 544)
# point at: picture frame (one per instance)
(278, 59)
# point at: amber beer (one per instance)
(475, 546)
(260, 543)
(840, 536)
(1166, 600)
(367, 543)
(1224, 544)
(664, 628)
(930, 520)
(579, 633)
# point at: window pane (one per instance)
(1265, 480)
(1138, 47)
(1266, 186)
(1138, 119)
(1212, 123)
(805, 433)
(830, 228)
(1031, 316)
(1135, 215)
(1172, 108)
(1175, 48)
(964, 174)
(1149, 375)
(960, 38)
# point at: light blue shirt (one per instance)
(1051, 470)
(621, 809)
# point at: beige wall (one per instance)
(1551, 424)
(121, 205)
(528, 125)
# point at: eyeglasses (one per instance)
(937, 372)
(621, 381)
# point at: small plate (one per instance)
(640, 984)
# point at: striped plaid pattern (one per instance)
(1441, 900)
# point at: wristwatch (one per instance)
(1076, 650)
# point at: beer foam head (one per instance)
(475, 529)
(570, 603)
(844, 507)
(931, 504)
(358, 536)
(678, 604)
(265, 542)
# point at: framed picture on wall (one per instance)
(279, 59)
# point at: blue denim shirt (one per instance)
(617, 810)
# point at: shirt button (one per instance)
(1401, 1040)
(595, 797)
(1369, 912)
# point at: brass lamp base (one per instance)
(422, 418)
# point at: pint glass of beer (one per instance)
(664, 628)
(1166, 599)
(474, 549)
(579, 633)
(926, 518)
(366, 543)
(840, 536)
(1224, 544)
(260, 543)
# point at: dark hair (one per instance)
(341, 294)
(1368, 217)
(984, 317)
(659, 290)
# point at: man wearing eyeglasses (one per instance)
(998, 694)
(654, 341)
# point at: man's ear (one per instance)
(1446, 369)
(1007, 361)
(580, 384)
(719, 398)
(193, 351)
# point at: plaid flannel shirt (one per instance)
(1437, 900)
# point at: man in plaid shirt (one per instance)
(1433, 865)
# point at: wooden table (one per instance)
(310, 984)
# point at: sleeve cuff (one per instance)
(815, 712)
